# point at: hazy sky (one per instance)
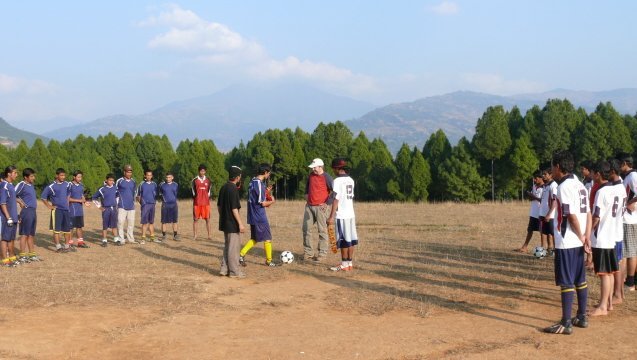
(84, 60)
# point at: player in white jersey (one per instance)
(630, 219)
(607, 227)
(572, 239)
(547, 210)
(343, 210)
(620, 276)
(535, 195)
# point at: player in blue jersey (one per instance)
(77, 202)
(146, 196)
(257, 218)
(108, 195)
(8, 217)
(55, 197)
(169, 207)
(28, 201)
(127, 188)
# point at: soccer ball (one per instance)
(539, 252)
(287, 257)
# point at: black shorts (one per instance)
(547, 227)
(605, 261)
(534, 224)
(77, 222)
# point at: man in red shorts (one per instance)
(201, 200)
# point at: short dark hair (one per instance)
(587, 164)
(59, 171)
(170, 173)
(110, 176)
(615, 166)
(77, 172)
(537, 174)
(625, 157)
(202, 167)
(563, 160)
(603, 168)
(27, 172)
(263, 168)
(546, 171)
(147, 171)
(8, 169)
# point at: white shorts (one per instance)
(346, 233)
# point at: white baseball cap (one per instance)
(316, 162)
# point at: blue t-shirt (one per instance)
(108, 194)
(168, 192)
(58, 194)
(147, 191)
(7, 197)
(26, 192)
(127, 193)
(77, 192)
(256, 195)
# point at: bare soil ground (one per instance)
(431, 281)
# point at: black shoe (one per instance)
(242, 261)
(581, 321)
(559, 328)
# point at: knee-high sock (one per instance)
(268, 251)
(582, 298)
(247, 247)
(567, 303)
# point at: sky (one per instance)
(75, 61)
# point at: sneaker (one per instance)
(104, 243)
(71, 248)
(271, 264)
(119, 242)
(142, 242)
(163, 238)
(221, 273)
(242, 261)
(237, 276)
(82, 245)
(176, 238)
(340, 267)
(307, 258)
(157, 240)
(580, 321)
(559, 328)
(61, 250)
(35, 258)
(9, 264)
(24, 259)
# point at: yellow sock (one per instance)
(13, 258)
(268, 251)
(22, 254)
(247, 247)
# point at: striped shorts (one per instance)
(630, 240)
(346, 233)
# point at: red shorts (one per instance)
(201, 212)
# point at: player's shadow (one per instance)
(178, 246)
(177, 260)
(429, 299)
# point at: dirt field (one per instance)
(430, 282)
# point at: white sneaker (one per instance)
(340, 267)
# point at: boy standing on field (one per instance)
(630, 219)
(547, 210)
(572, 239)
(343, 210)
(534, 212)
(146, 195)
(28, 201)
(620, 276)
(201, 200)
(169, 209)
(126, 187)
(230, 223)
(77, 203)
(257, 218)
(8, 217)
(56, 198)
(108, 194)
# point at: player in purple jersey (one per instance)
(55, 197)
(28, 201)
(146, 196)
(77, 202)
(127, 188)
(8, 217)
(108, 195)
(169, 207)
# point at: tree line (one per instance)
(496, 163)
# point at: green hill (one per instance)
(11, 136)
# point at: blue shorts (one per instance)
(60, 221)
(7, 233)
(28, 221)
(109, 218)
(148, 214)
(569, 267)
(169, 213)
(619, 250)
(77, 222)
(260, 232)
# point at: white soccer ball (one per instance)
(287, 257)
(539, 252)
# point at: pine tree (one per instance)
(619, 136)
(403, 163)
(436, 150)
(419, 177)
(522, 163)
(361, 162)
(459, 174)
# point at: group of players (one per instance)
(588, 224)
(116, 199)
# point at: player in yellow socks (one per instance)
(259, 198)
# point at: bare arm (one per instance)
(330, 220)
(235, 213)
(48, 204)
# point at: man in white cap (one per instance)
(317, 209)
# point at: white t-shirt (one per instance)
(571, 198)
(630, 185)
(344, 193)
(609, 204)
(619, 187)
(549, 192)
(536, 191)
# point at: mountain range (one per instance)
(238, 112)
